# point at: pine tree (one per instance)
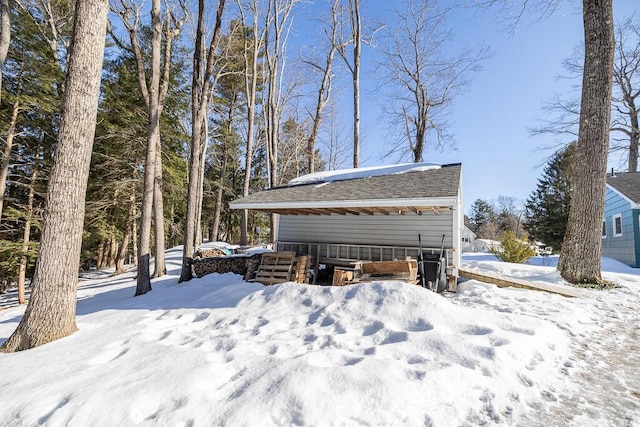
(482, 216)
(547, 209)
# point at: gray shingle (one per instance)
(434, 183)
(627, 183)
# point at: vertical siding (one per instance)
(378, 229)
(622, 248)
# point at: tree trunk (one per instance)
(51, 311)
(134, 231)
(356, 28)
(100, 257)
(123, 249)
(217, 212)
(160, 268)
(6, 159)
(251, 86)
(633, 140)
(153, 136)
(113, 250)
(580, 258)
(205, 139)
(200, 95)
(26, 234)
(5, 35)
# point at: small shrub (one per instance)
(514, 249)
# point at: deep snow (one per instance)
(220, 351)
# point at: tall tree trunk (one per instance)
(134, 233)
(200, 96)
(6, 159)
(26, 234)
(51, 311)
(143, 284)
(160, 268)
(217, 212)
(5, 36)
(251, 87)
(580, 258)
(205, 139)
(356, 27)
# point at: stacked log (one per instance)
(208, 253)
(223, 264)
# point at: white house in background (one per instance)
(485, 245)
(367, 213)
(467, 238)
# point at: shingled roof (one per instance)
(408, 191)
(627, 184)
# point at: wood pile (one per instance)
(302, 269)
(208, 253)
(223, 264)
(268, 268)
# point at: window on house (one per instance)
(617, 225)
(604, 228)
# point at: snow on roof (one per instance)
(343, 174)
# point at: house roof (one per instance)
(627, 184)
(414, 190)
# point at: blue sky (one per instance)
(491, 118)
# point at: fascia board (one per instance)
(380, 203)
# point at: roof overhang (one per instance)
(352, 207)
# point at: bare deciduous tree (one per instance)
(253, 45)
(562, 114)
(326, 79)
(626, 89)
(51, 310)
(354, 39)
(421, 78)
(201, 90)
(153, 93)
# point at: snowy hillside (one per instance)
(220, 351)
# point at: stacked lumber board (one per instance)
(405, 271)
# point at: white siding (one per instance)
(378, 229)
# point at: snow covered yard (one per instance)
(220, 351)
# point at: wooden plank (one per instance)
(391, 269)
(283, 274)
(341, 277)
(503, 281)
(275, 267)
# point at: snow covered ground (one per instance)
(220, 351)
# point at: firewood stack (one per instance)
(223, 264)
(208, 253)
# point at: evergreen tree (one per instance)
(547, 209)
(483, 216)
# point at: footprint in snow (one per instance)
(476, 330)
(108, 355)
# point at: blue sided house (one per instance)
(621, 225)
